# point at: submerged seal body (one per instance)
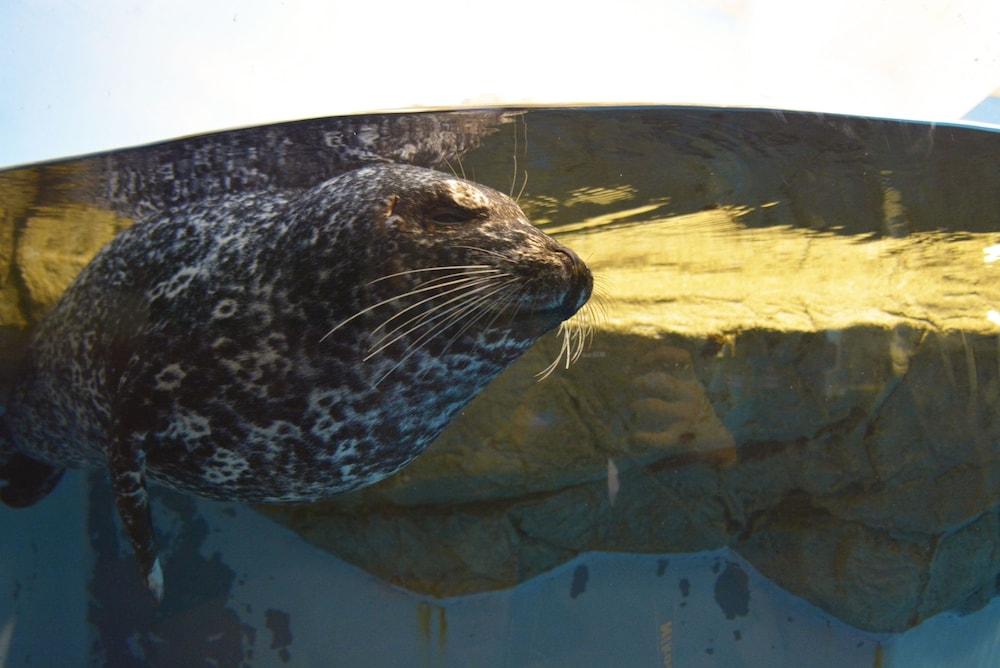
(273, 347)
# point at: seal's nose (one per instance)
(581, 282)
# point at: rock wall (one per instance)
(45, 240)
(880, 507)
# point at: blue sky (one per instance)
(85, 76)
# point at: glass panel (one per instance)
(768, 439)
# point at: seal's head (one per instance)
(451, 272)
(322, 339)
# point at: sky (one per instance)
(82, 76)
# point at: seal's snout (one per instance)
(581, 282)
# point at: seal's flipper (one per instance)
(128, 478)
(25, 481)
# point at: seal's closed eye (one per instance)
(452, 214)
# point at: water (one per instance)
(779, 449)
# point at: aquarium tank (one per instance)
(770, 438)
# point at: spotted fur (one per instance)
(231, 348)
(147, 180)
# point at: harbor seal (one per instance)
(283, 347)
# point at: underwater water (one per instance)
(779, 445)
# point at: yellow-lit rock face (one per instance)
(46, 239)
(56, 244)
(17, 193)
(705, 273)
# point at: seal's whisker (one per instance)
(597, 307)
(479, 303)
(462, 285)
(523, 185)
(498, 312)
(441, 281)
(517, 302)
(449, 318)
(577, 334)
(423, 288)
(509, 300)
(485, 267)
(547, 371)
(475, 314)
(483, 308)
(592, 317)
(513, 179)
(515, 298)
(488, 252)
(517, 308)
(426, 316)
(581, 339)
(584, 326)
(445, 314)
(524, 126)
(568, 345)
(440, 319)
(423, 338)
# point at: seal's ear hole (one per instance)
(452, 214)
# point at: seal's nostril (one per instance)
(571, 258)
(582, 282)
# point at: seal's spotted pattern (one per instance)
(272, 347)
(147, 180)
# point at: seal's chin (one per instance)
(539, 322)
(543, 320)
(576, 293)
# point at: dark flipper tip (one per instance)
(25, 481)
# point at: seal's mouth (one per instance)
(574, 322)
(579, 285)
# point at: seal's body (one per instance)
(277, 347)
